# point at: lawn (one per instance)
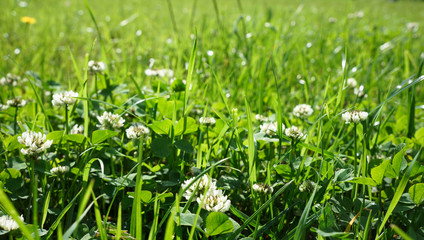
(195, 119)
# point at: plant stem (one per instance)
(355, 163)
(34, 196)
(66, 120)
(16, 121)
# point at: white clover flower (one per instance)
(347, 117)
(351, 82)
(303, 111)
(294, 132)
(34, 141)
(412, 26)
(360, 92)
(262, 188)
(270, 129)
(261, 118)
(200, 184)
(208, 121)
(307, 185)
(215, 201)
(96, 67)
(110, 120)
(16, 102)
(77, 129)
(137, 131)
(354, 116)
(159, 73)
(64, 98)
(59, 170)
(3, 107)
(10, 79)
(8, 224)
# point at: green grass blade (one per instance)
(7, 207)
(261, 208)
(398, 193)
(251, 145)
(301, 226)
(61, 215)
(189, 79)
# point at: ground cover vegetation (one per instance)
(211, 119)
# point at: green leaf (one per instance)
(398, 193)
(161, 147)
(101, 135)
(184, 145)
(419, 135)
(218, 223)
(191, 126)
(416, 192)
(55, 136)
(187, 219)
(145, 196)
(76, 138)
(377, 173)
(11, 143)
(362, 180)
(397, 161)
(284, 170)
(161, 127)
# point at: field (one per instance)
(195, 119)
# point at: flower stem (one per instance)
(138, 226)
(355, 163)
(66, 120)
(16, 121)
(34, 196)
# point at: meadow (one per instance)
(195, 119)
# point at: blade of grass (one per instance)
(261, 208)
(251, 146)
(7, 207)
(398, 193)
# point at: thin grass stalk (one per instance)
(15, 126)
(137, 198)
(34, 197)
(171, 13)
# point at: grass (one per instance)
(237, 59)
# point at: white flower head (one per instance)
(303, 111)
(208, 121)
(294, 132)
(8, 224)
(77, 129)
(200, 184)
(215, 201)
(16, 102)
(64, 98)
(262, 188)
(35, 142)
(412, 26)
(137, 131)
(96, 67)
(354, 116)
(3, 107)
(110, 120)
(270, 129)
(307, 185)
(347, 117)
(159, 73)
(351, 82)
(360, 91)
(10, 79)
(261, 118)
(59, 170)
